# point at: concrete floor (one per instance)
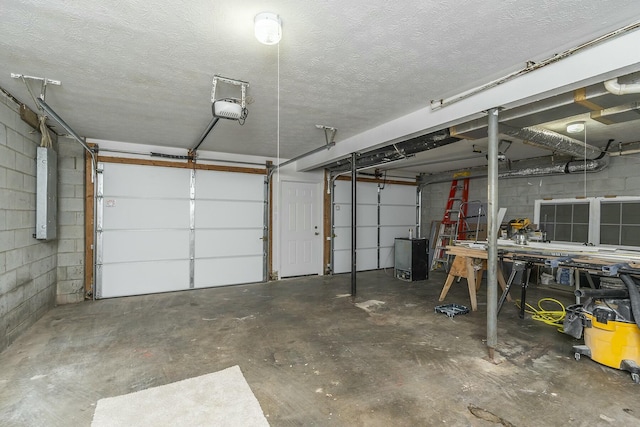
(313, 358)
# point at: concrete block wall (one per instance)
(70, 271)
(27, 265)
(518, 195)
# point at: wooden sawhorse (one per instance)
(470, 268)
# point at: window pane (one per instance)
(547, 213)
(610, 213)
(631, 213)
(580, 233)
(609, 234)
(549, 228)
(630, 235)
(563, 213)
(563, 232)
(581, 213)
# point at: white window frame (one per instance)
(594, 213)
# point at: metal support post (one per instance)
(353, 224)
(492, 237)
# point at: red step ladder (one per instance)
(453, 225)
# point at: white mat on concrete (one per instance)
(219, 399)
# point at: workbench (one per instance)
(471, 258)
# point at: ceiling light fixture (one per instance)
(268, 28)
(575, 127)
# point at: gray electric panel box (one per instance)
(46, 194)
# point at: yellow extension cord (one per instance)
(550, 317)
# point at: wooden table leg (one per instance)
(447, 285)
(471, 281)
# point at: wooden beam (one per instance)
(326, 213)
(378, 181)
(182, 165)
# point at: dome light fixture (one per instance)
(268, 28)
(575, 127)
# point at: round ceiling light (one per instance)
(575, 127)
(268, 28)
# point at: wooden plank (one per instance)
(183, 165)
(326, 212)
(378, 181)
(467, 252)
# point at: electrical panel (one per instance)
(46, 194)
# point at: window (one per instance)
(620, 223)
(596, 220)
(565, 222)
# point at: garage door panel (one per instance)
(342, 215)
(229, 214)
(129, 246)
(141, 213)
(398, 215)
(397, 209)
(144, 278)
(387, 257)
(394, 194)
(388, 234)
(146, 244)
(366, 260)
(366, 192)
(366, 237)
(214, 243)
(224, 186)
(228, 271)
(127, 180)
(367, 215)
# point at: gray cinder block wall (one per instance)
(27, 265)
(70, 272)
(35, 275)
(621, 178)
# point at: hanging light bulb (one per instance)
(268, 28)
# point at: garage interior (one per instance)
(178, 198)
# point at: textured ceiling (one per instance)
(141, 71)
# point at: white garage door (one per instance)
(229, 226)
(165, 229)
(381, 217)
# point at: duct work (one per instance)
(398, 151)
(541, 166)
(553, 141)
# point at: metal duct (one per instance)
(553, 141)
(573, 166)
(527, 168)
(397, 151)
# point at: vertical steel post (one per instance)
(265, 228)
(492, 237)
(353, 224)
(192, 229)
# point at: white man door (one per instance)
(300, 233)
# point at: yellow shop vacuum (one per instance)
(610, 322)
